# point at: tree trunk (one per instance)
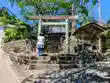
(74, 13)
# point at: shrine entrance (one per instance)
(53, 39)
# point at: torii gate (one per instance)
(65, 23)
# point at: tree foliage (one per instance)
(106, 37)
(15, 34)
(14, 28)
(54, 7)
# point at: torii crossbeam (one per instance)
(52, 17)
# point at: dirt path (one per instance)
(6, 73)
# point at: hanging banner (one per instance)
(1, 34)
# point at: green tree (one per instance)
(52, 7)
(55, 7)
(14, 28)
(106, 37)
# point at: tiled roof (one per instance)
(100, 26)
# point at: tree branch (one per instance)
(38, 8)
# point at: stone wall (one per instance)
(20, 46)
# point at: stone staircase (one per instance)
(67, 61)
(52, 61)
(42, 62)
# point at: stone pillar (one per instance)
(73, 26)
(67, 34)
(40, 26)
(99, 44)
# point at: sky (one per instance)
(105, 11)
(15, 9)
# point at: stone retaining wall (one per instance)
(20, 46)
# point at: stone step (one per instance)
(43, 66)
(40, 58)
(103, 64)
(108, 59)
(68, 57)
(66, 61)
(53, 62)
(39, 61)
(67, 66)
(34, 58)
(53, 57)
(52, 66)
(108, 56)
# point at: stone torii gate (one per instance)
(65, 22)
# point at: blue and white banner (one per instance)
(1, 34)
(2, 28)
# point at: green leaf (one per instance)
(94, 2)
(20, 4)
(82, 10)
(50, 1)
(86, 1)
